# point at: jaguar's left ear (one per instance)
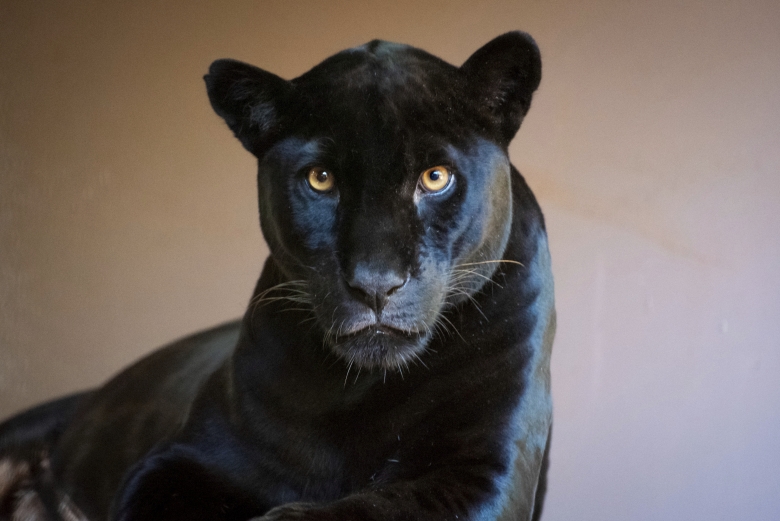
(502, 76)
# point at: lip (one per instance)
(379, 345)
(380, 330)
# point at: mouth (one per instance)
(380, 329)
(380, 346)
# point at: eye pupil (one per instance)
(435, 175)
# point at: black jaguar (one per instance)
(393, 363)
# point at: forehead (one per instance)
(379, 66)
(383, 89)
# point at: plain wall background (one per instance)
(128, 214)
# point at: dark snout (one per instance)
(377, 258)
(373, 283)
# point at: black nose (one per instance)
(374, 286)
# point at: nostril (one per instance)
(375, 287)
(396, 288)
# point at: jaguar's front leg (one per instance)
(460, 493)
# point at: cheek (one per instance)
(484, 220)
(431, 279)
(301, 223)
(313, 221)
(440, 227)
(434, 273)
(448, 238)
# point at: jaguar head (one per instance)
(384, 183)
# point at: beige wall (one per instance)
(128, 214)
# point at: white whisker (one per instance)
(491, 262)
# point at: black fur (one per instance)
(394, 361)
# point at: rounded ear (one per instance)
(248, 99)
(502, 76)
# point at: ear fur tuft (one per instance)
(503, 75)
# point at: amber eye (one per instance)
(435, 179)
(320, 179)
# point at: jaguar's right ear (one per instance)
(248, 99)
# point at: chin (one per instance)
(380, 347)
